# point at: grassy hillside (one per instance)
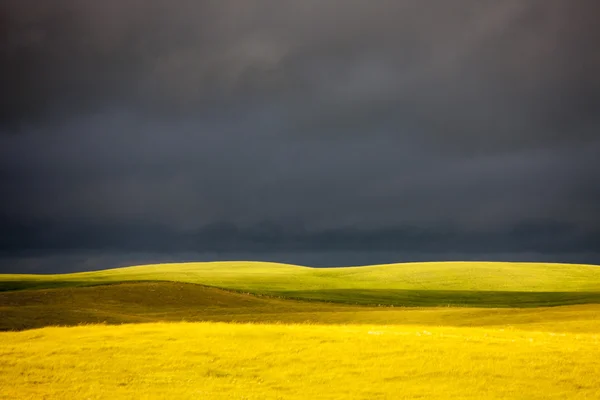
(412, 284)
(231, 361)
(168, 301)
(251, 341)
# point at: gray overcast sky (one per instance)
(235, 125)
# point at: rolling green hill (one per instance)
(475, 284)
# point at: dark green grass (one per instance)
(443, 298)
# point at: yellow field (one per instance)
(252, 361)
(143, 333)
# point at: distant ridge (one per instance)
(476, 284)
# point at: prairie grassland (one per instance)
(473, 284)
(252, 361)
(176, 302)
(253, 340)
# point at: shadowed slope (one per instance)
(168, 301)
(140, 302)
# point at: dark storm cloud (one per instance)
(470, 69)
(344, 123)
(267, 237)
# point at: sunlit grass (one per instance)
(411, 284)
(218, 360)
(252, 340)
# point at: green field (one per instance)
(263, 330)
(412, 284)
